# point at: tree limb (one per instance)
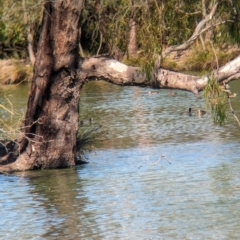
(191, 40)
(118, 73)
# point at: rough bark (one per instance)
(48, 138)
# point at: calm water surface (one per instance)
(156, 175)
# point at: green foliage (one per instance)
(158, 23)
(199, 59)
(146, 63)
(216, 101)
(13, 34)
(230, 32)
(9, 126)
(87, 139)
(105, 25)
(179, 22)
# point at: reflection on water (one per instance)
(157, 175)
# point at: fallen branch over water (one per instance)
(102, 68)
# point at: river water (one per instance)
(155, 175)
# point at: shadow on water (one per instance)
(225, 187)
(63, 199)
(47, 204)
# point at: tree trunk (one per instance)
(48, 138)
(132, 43)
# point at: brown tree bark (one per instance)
(48, 138)
(132, 43)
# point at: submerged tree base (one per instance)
(11, 162)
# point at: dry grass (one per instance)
(14, 71)
(171, 64)
(196, 59)
(11, 122)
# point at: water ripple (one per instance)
(157, 175)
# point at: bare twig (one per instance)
(230, 104)
(233, 113)
(100, 44)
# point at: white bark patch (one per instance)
(203, 80)
(117, 66)
(231, 66)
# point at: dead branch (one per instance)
(191, 40)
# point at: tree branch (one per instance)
(197, 32)
(101, 68)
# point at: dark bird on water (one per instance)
(189, 113)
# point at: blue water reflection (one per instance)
(155, 176)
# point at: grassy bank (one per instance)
(14, 71)
(198, 59)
